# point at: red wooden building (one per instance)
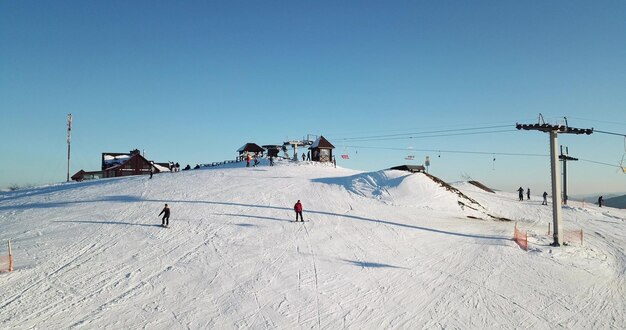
(135, 165)
(120, 164)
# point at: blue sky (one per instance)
(193, 81)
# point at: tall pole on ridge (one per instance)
(557, 217)
(69, 140)
(565, 157)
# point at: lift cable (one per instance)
(420, 133)
(450, 151)
(610, 133)
(368, 139)
(601, 163)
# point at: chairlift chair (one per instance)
(411, 154)
(345, 154)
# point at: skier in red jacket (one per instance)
(298, 209)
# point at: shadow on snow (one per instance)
(133, 199)
(110, 223)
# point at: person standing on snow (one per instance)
(166, 216)
(528, 194)
(545, 198)
(600, 200)
(298, 209)
(521, 193)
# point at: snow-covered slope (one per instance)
(385, 249)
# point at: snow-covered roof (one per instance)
(321, 142)
(251, 147)
(115, 160)
(161, 168)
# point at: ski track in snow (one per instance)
(377, 250)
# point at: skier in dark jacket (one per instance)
(298, 209)
(166, 216)
(545, 198)
(521, 193)
(600, 200)
(528, 194)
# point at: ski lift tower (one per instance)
(299, 143)
(553, 130)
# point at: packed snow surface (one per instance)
(384, 249)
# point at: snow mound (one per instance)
(416, 190)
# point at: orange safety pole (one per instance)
(549, 228)
(10, 258)
(526, 241)
(581, 237)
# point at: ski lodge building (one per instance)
(121, 164)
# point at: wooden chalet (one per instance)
(135, 165)
(250, 148)
(321, 150)
(121, 164)
(84, 175)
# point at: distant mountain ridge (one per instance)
(617, 202)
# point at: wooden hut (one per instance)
(250, 149)
(135, 165)
(273, 150)
(116, 164)
(321, 150)
(84, 175)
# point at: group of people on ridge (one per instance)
(521, 195)
(545, 196)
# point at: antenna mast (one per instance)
(69, 140)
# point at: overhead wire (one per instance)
(449, 151)
(419, 133)
(452, 132)
(601, 163)
(610, 133)
(429, 134)
(598, 121)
